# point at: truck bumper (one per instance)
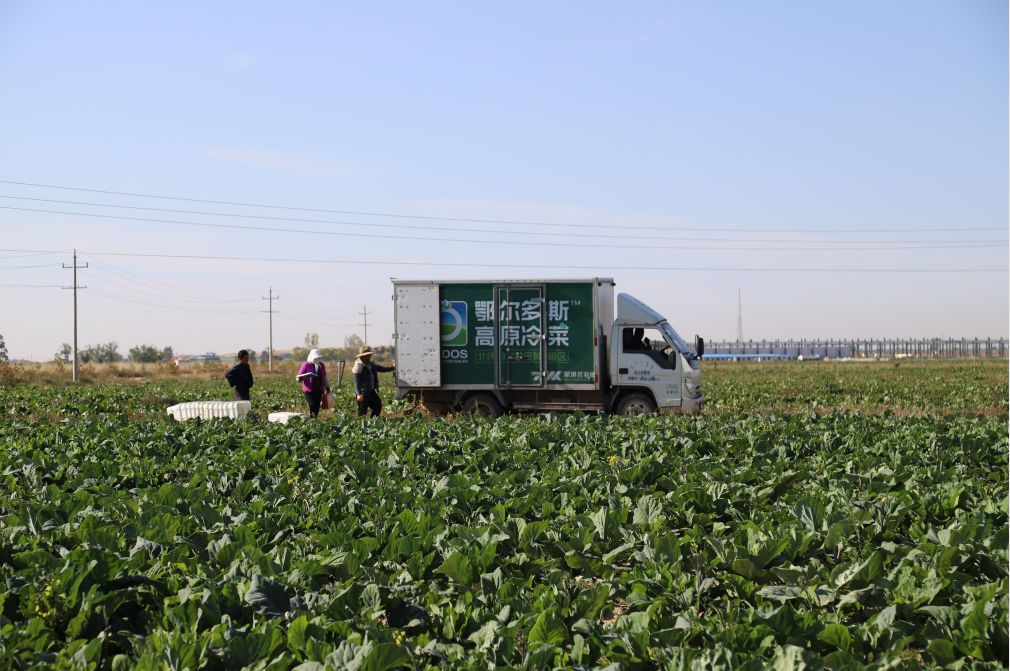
(693, 404)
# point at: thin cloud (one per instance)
(283, 162)
(240, 60)
(538, 212)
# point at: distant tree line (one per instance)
(109, 353)
(150, 354)
(347, 352)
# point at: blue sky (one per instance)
(776, 120)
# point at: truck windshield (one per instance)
(678, 342)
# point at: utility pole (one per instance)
(270, 310)
(74, 266)
(739, 317)
(364, 323)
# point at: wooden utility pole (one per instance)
(739, 316)
(364, 323)
(75, 287)
(270, 298)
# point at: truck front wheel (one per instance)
(636, 404)
(484, 405)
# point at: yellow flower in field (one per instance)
(613, 460)
(399, 636)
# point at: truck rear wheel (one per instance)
(484, 405)
(636, 404)
(436, 408)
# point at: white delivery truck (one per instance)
(498, 345)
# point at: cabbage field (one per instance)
(848, 519)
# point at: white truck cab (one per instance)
(648, 354)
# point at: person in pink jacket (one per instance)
(312, 375)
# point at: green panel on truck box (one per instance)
(521, 336)
(468, 333)
(471, 328)
(571, 327)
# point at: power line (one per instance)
(142, 294)
(620, 236)
(182, 291)
(293, 313)
(307, 317)
(32, 252)
(310, 309)
(548, 266)
(306, 320)
(516, 243)
(163, 294)
(21, 256)
(30, 286)
(481, 221)
(164, 306)
(41, 265)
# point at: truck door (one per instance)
(646, 359)
(416, 311)
(521, 340)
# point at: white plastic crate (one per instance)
(283, 417)
(210, 409)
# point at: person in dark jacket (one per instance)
(240, 376)
(366, 381)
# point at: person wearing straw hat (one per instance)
(366, 381)
(312, 375)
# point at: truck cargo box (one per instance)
(496, 346)
(502, 334)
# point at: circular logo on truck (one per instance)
(453, 324)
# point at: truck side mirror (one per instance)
(699, 345)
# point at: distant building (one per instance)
(183, 359)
